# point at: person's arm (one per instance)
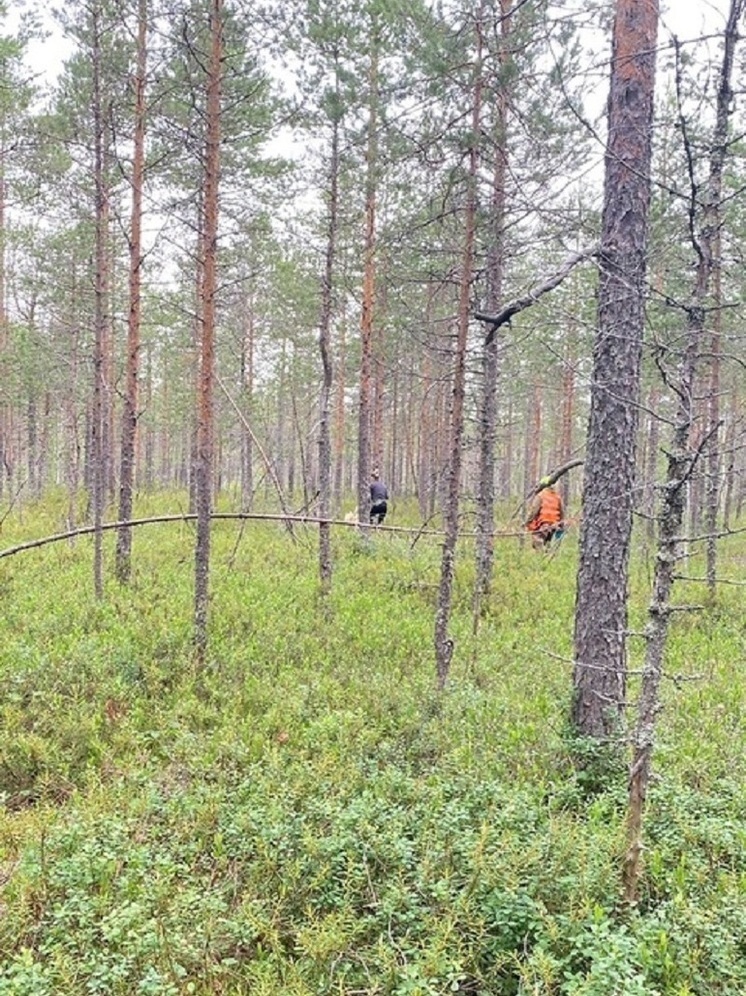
(534, 510)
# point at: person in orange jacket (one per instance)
(545, 517)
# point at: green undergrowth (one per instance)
(306, 815)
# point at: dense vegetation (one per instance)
(306, 815)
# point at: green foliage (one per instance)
(308, 816)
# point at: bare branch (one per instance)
(537, 291)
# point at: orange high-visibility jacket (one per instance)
(549, 512)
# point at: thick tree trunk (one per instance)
(608, 487)
(130, 405)
(208, 284)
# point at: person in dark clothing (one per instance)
(379, 495)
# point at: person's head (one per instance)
(374, 475)
(545, 482)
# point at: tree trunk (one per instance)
(608, 485)
(101, 317)
(651, 464)
(130, 405)
(208, 286)
(325, 321)
(682, 461)
(485, 525)
(369, 290)
(712, 490)
(443, 644)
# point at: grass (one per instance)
(307, 816)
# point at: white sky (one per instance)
(688, 19)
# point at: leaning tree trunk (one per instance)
(608, 486)
(682, 460)
(130, 405)
(208, 286)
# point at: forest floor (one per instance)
(307, 815)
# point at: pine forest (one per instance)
(372, 498)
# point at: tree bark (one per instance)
(491, 356)
(443, 643)
(325, 322)
(123, 557)
(369, 290)
(608, 487)
(101, 317)
(208, 268)
(682, 460)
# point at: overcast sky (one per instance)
(688, 19)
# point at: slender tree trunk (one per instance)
(101, 317)
(325, 449)
(247, 391)
(150, 435)
(205, 402)
(651, 471)
(682, 461)
(730, 470)
(340, 411)
(485, 525)
(369, 291)
(568, 412)
(712, 495)
(130, 406)
(608, 486)
(4, 405)
(443, 643)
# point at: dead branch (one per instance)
(537, 291)
(189, 517)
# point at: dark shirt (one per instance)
(378, 492)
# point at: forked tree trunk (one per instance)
(130, 404)
(208, 267)
(608, 487)
(443, 643)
